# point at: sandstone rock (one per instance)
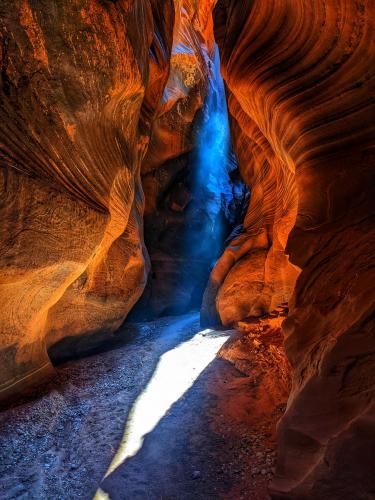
(83, 87)
(79, 91)
(298, 79)
(250, 290)
(246, 279)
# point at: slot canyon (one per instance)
(187, 241)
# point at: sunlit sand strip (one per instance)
(175, 373)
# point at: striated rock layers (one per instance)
(84, 83)
(80, 85)
(300, 77)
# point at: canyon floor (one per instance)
(160, 415)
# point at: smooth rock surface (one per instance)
(299, 92)
(80, 85)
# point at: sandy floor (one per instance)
(159, 417)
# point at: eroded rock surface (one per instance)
(80, 85)
(83, 86)
(299, 91)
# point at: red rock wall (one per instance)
(300, 79)
(80, 84)
(167, 164)
(267, 169)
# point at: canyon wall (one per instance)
(253, 276)
(300, 78)
(102, 104)
(81, 82)
(91, 117)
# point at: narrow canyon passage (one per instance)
(155, 417)
(187, 242)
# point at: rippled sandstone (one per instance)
(299, 84)
(80, 85)
(85, 84)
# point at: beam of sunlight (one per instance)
(212, 188)
(175, 373)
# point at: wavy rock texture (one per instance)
(300, 79)
(273, 205)
(80, 85)
(186, 224)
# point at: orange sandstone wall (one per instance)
(80, 85)
(300, 78)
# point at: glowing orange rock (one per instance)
(78, 96)
(299, 79)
